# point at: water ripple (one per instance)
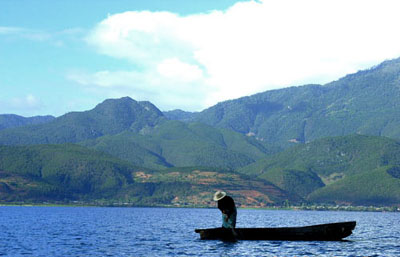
(72, 231)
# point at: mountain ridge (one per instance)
(13, 120)
(308, 112)
(107, 118)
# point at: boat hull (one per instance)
(322, 232)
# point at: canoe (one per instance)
(321, 232)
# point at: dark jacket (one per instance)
(227, 205)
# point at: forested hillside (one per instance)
(352, 169)
(365, 102)
(176, 144)
(60, 172)
(69, 173)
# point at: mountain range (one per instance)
(366, 102)
(13, 121)
(309, 144)
(108, 118)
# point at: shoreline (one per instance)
(272, 208)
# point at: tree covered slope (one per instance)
(110, 117)
(178, 144)
(67, 172)
(336, 170)
(60, 172)
(365, 102)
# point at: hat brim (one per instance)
(219, 197)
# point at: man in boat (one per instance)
(228, 209)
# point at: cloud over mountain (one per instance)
(251, 47)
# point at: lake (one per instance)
(91, 231)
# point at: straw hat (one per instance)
(219, 195)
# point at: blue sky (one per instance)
(61, 56)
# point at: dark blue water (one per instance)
(86, 231)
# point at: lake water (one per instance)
(90, 231)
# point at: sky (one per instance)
(62, 56)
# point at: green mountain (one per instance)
(59, 172)
(13, 121)
(243, 134)
(178, 144)
(365, 102)
(139, 133)
(334, 169)
(67, 172)
(380, 186)
(110, 117)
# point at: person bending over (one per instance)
(227, 206)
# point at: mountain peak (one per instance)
(110, 117)
(126, 104)
(113, 102)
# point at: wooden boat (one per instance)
(322, 232)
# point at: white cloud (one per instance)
(165, 86)
(252, 47)
(175, 69)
